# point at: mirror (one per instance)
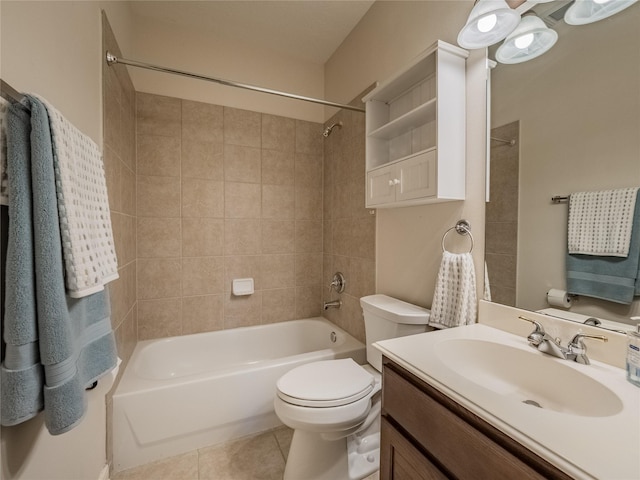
(574, 114)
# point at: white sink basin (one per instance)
(529, 377)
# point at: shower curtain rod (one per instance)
(112, 59)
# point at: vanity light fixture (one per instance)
(529, 40)
(583, 12)
(489, 22)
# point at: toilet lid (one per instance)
(328, 383)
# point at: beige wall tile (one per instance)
(278, 271)
(159, 237)
(308, 237)
(202, 122)
(363, 238)
(242, 311)
(278, 305)
(242, 200)
(159, 278)
(242, 127)
(342, 236)
(308, 203)
(308, 302)
(202, 275)
(158, 115)
(113, 178)
(113, 124)
(243, 266)
(202, 314)
(241, 237)
(278, 202)
(278, 133)
(278, 168)
(159, 318)
(202, 160)
(309, 137)
(158, 196)
(158, 155)
(128, 190)
(278, 236)
(202, 198)
(308, 170)
(128, 239)
(202, 237)
(242, 164)
(308, 269)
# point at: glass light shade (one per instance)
(489, 22)
(529, 40)
(589, 11)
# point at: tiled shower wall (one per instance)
(224, 193)
(501, 241)
(349, 228)
(120, 166)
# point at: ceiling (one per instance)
(308, 30)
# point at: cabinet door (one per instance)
(400, 460)
(381, 186)
(417, 177)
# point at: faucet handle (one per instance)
(536, 337)
(579, 349)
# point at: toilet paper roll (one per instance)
(558, 298)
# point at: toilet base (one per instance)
(313, 458)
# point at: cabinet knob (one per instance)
(391, 184)
(396, 181)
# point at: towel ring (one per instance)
(462, 228)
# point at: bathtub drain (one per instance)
(333, 337)
(532, 402)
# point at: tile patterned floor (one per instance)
(259, 457)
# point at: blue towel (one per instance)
(616, 279)
(56, 345)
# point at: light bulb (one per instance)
(486, 24)
(524, 41)
(600, 2)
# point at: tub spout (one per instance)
(332, 304)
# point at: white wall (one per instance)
(203, 53)
(54, 49)
(579, 112)
(408, 239)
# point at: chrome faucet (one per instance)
(332, 304)
(576, 350)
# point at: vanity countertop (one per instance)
(583, 446)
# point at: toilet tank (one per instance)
(386, 317)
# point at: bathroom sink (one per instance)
(529, 377)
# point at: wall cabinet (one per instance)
(415, 131)
(426, 435)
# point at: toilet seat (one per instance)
(328, 383)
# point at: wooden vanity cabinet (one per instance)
(425, 435)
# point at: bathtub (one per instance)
(182, 393)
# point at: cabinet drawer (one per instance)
(461, 449)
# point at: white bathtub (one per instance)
(182, 393)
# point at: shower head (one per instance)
(327, 131)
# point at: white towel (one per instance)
(83, 207)
(454, 298)
(487, 287)
(4, 181)
(600, 222)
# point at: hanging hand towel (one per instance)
(600, 223)
(454, 298)
(616, 279)
(56, 345)
(85, 221)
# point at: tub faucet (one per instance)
(332, 304)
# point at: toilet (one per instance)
(334, 405)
